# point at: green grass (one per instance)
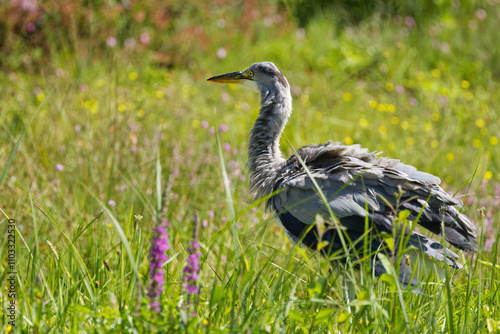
(130, 131)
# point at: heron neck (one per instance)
(264, 155)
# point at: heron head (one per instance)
(256, 77)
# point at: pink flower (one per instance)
(31, 28)
(481, 14)
(111, 203)
(226, 147)
(157, 258)
(223, 128)
(409, 21)
(192, 268)
(204, 124)
(59, 167)
(221, 53)
(144, 38)
(111, 41)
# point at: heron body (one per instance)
(363, 191)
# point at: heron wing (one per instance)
(356, 185)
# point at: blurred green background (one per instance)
(94, 91)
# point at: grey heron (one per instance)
(362, 190)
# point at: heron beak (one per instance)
(234, 78)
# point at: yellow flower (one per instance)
(347, 96)
(381, 107)
(8, 329)
(405, 125)
(420, 76)
(395, 120)
(132, 76)
(196, 123)
(465, 84)
(363, 122)
(159, 94)
(100, 82)
(391, 108)
(348, 140)
(40, 97)
(493, 140)
(140, 113)
(389, 86)
(428, 126)
(434, 143)
(480, 123)
(205, 322)
(469, 96)
(410, 141)
(121, 107)
(476, 143)
(305, 101)
(436, 117)
(373, 104)
(488, 175)
(436, 73)
(450, 156)
(444, 91)
(382, 129)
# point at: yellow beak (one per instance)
(234, 78)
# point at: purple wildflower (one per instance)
(409, 21)
(221, 53)
(157, 258)
(223, 128)
(60, 167)
(111, 41)
(31, 28)
(192, 268)
(204, 124)
(144, 38)
(111, 203)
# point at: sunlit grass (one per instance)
(84, 188)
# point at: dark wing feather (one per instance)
(357, 184)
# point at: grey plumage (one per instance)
(356, 183)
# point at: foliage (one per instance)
(109, 127)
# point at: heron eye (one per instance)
(250, 73)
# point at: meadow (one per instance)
(113, 144)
